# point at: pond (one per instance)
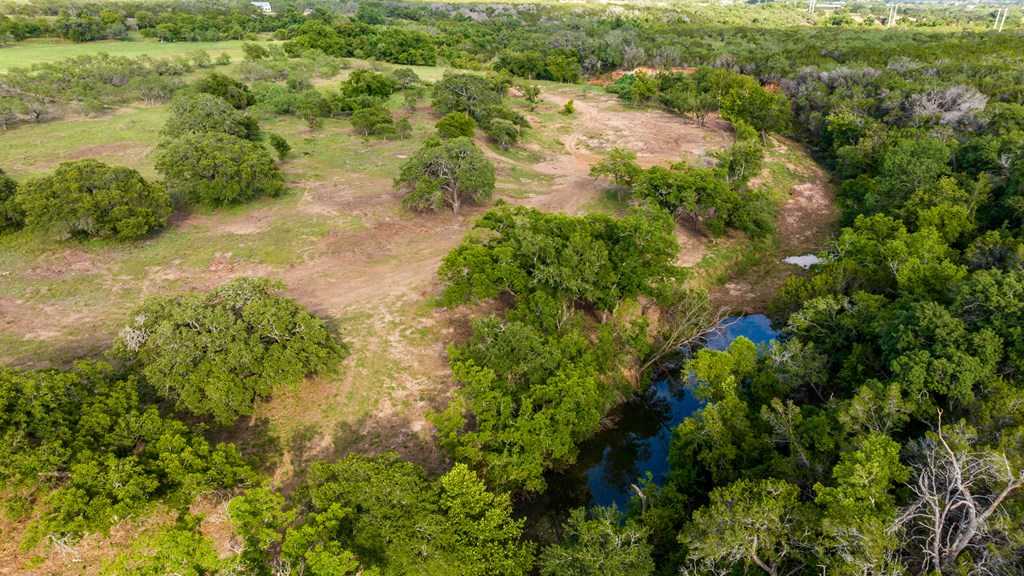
(638, 444)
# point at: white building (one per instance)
(264, 7)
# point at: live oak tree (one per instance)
(216, 354)
(446, 173)
(232, 91)
(87, 198)
(201, 113)
(216, 169)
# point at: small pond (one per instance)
(638, 444)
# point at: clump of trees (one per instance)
(456, 125)
(230, 90)
(84, 449)
(718, 197)
(446, 174)
(349, 522)
(537, 382)
(482, 99)
(216, 354)
(89, 199)
(203, 113)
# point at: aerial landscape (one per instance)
(511, 288)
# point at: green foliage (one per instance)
(369, 83)
(503, 132)
(599, 545)
(569, 108)
(373, 121)
(446, 173)
(456, 125)
(747, 521)
(448, 526)
(216, 354)
(216, 169)
(594, 260)
(280, 145)
(92, 452)
(258, 519)
(200, 113)
(174, 550)
(87, 198)
(230, 90)
(467, 93)
(11, 214)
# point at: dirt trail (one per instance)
(804, 224)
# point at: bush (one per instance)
(504, 132)
(569, 108)
(91, 199)
(446, 173)
(215, 354)
(405, 77)
(232, 91)
(280, 145)
(11, 215)
(375, 121)
(456, 125)
(201, 113)
(368, 83)
(217, 169)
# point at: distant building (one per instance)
(264, 7)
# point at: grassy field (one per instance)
(40, 50)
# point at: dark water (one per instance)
(638, 444)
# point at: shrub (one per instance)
(200, 113)
(368, 83)
(456, 125)
(405, 77)
(569, 108)
(232, 91)
(217, 169)
(215, 354)
(503, 132)
(87, 198)
(375, 120)
(280, 145)
(446, 173)
(11, 215)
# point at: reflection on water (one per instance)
(639, 442)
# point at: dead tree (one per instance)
(958, 495)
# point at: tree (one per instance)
(87, 198)
(504, 132)
(958, 492)
(765, 110)
(375, 120)
(446, 173)
(216, 354)
(859, 509)
(599, 544)
(254, 51)
(216, 169)
(467, 93)
(456, 125)
(233, 91)
(259, 519)
(11, 214)
(192, 114)
(748, 521)
(620, 165)
(280, 145)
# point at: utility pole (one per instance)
(1002, 21)
(811, 5)
(893, 10)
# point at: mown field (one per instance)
(35, 51)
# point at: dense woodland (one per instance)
(883, 434)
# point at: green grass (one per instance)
(40, 50)
(124, 138)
